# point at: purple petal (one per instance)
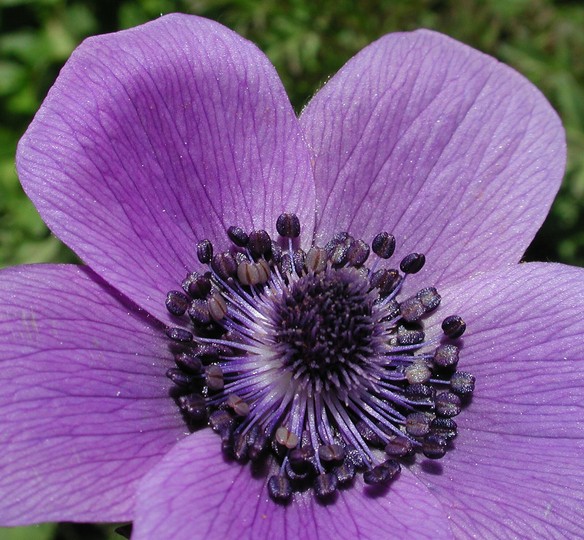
(157, 137)
(193, 493)
(516, 471)
(83, 397)
(454, 153)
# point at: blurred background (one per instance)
(307, 41)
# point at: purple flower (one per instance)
(158, 138)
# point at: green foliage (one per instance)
(307, 42)
(36, 532)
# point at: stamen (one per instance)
(238, 236)
(224, 265)
(412, 263)
(398, 446)
(325, 485)
(446, 356)
(453, 326)
(205, 251)
(311, 363)
(434, 446)
(260, 244)
(197, 286)
(179, 334)
(447, 404)
(177, 303)
(462, 383)
(288, 225)
(194, 406)
(279, 488)
(383, 245)
(382, 474)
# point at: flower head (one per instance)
(264, 274)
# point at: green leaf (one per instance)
(34, 532)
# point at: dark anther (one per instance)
(386, 280)
(178, 377)
(412, 309)
(447, 404)
(338, 238)
(299, 260)
(205, 251)
(177, 302)
(209, 353)
(368, 434)
(239, 407)
(382, 474)
(325, 485)
(412, 263)
(445, 427)
(288, 225)
(316, 259)
(331, 453)
(238, 236)
(179, 334)
(339, 254)
(434, 446)
(344, 473)
(358, 253)
(446, 356)
(300, 459)
(354, 457)
(224, 265)
(398, 446)
(383, 245)
(418, 372)
(194, 406)
(221, 422)
(429, 297)
(297, 476)
(462, 383)
(197, 286)
(418, 424)
(199, 312)
(257, 442)
(214, 377)
(420, 392)
(453, 326)
(189, 362)
(279, 488)
(260, 244)
(409, 336)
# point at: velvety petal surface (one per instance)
(516, 471)
(160, 136)
(454, 153)
(83, 397)
(194, 494)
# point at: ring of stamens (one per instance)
(308, 359)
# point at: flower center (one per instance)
(308, 361)
(324, 329)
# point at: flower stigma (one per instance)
(307, 362)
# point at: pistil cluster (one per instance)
(311, 363)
